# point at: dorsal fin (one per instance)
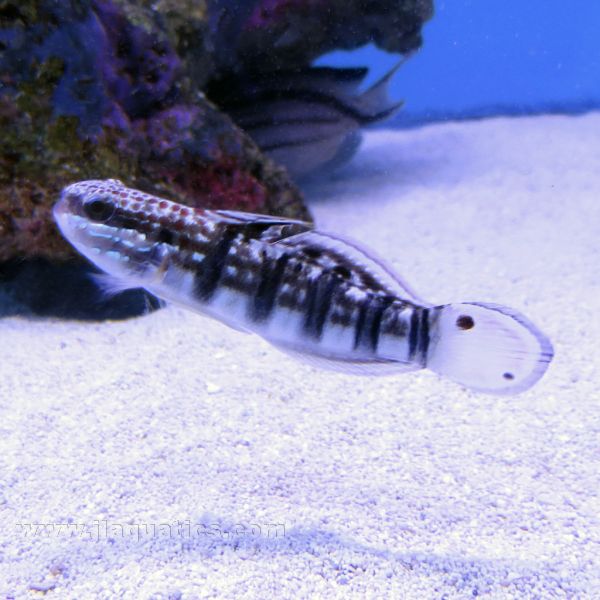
(303, 235)
(366, 260)
(237, 216)
(330, 80)
(266, 228)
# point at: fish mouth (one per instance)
(66, 212)
(59, 209)
(61, 213)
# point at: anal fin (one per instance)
(349, 366)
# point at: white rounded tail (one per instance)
(487, 347)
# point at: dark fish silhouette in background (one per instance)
(308, 120)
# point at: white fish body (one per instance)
(311, 294)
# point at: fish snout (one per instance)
(67, 213)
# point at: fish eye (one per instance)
(98, 209)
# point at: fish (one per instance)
(308, 120)
(314, 295)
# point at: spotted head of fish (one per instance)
(122, 231)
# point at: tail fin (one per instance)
(374, 104)
(487, 347)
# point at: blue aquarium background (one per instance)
(483, 58)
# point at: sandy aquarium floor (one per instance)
(171, 457)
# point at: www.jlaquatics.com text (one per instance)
(104, 529)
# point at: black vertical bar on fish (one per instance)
(361, 321)
(381, 306)
(319, 295)
(413, 335)
(424, 335)
(271, 276)
(210, 269)
(368, 322)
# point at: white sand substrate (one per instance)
(171, 457)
